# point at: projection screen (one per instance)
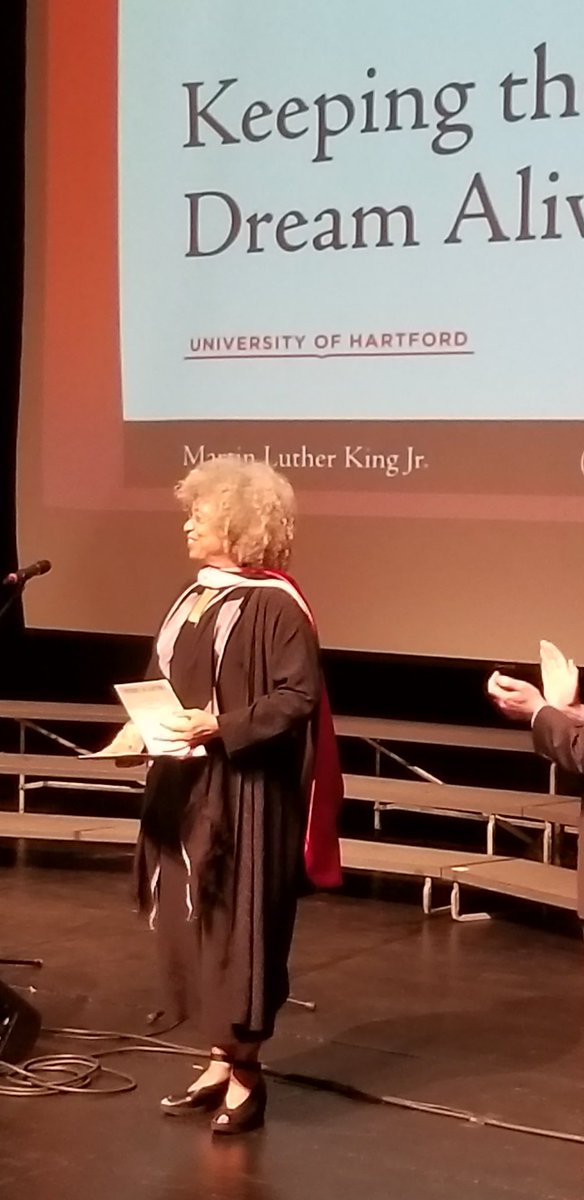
(342, 239)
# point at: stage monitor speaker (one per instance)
(20, 1025)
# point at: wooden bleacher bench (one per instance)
(561, 810)
(518, 877)
(46, 710)
(366, 728)
(433, 734)
(36, 771)
(68, 766)
(541, 882)
(61, 828)
(393, 859)
(452, 797)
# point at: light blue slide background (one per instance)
(522, 304)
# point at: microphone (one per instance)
(23, 575)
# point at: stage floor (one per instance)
(485, 1017)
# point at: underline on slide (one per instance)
(337, 354)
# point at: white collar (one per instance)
(217, 578)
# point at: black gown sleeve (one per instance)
(558, 738)
(296, 685)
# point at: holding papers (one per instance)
(149, 705)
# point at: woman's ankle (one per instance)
(245, 1074)
(217, 1070)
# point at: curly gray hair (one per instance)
(252, 508)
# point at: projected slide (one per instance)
(349, 264)
(372, 217)
(346, 239)
(351, 248)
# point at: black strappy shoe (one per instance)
(250, 1113)
(205, 1097)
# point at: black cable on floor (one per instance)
(81, 1075)
(81, 1072)
(76, 1074)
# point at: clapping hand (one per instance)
(560, 677)
(516, 698)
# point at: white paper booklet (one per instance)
(148, 705)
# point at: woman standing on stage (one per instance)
(220, 855)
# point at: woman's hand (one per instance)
(560, 677)
(516, 698)
(193, 725)
(127, 742)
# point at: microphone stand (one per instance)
(15, 595)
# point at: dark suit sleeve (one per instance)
(556, 737)
(295, 691)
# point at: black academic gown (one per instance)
(220, 852)
(558, 738)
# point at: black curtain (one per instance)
(33, 664)
(12, 92)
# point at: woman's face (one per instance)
(202, 541)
